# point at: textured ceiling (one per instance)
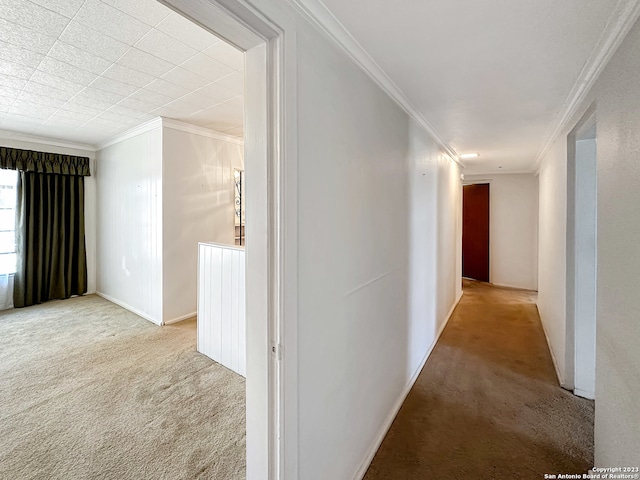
(86, 70)
(492, 76)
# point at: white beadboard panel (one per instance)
(129, 223)
(198, 206)
(221, 307)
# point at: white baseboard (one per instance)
(364, 466)
(553, 357)
(129, 307)
(179, 319)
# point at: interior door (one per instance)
(475, 231)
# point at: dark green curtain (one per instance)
(50, 243)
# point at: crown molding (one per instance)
(202, 131)
(321, 17)
(623, 17)
(173, 124)
(22, 137)
(132, 132)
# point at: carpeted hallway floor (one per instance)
(487, 404)
(91, 391)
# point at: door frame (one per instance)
(270, 380)
(479, 181)
(587, 121)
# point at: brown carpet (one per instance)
(91, 391)
(487, 404)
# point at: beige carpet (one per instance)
(91, 391)
(487, 405)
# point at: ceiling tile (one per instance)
(75, 107)
(216, 93)
(19, 55)
(233, 82)
(92, 98)
(206, 67)
(183, 108)
(68, 8)
(16, 70)
(165, 111)
(185, 78)
(150, 12)
(6, 103)
(24, 37)
(127, 75)
(63, 121)
(231, 111)
(92, 41)
(53, 131)
(167, 88)
(103, 96)
(227, 55)
(30, 15)
(144, 62)
(9, 92)
(79, 58)
(73, 115)
(111, 21)
(187, 32)
(165, 47)
(113, 86)
(41, 99)
(127, 112)
(66, 71)
(197, 98)
(47, 91)
(31, 109)
(70, 88)
(11, 82)
(115, 117)
(49, 80)
(20, 123)
(152, 98)
(133, 104)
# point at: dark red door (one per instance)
(475, 231)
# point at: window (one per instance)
(8, 179)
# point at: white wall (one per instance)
(198, 206)
(129, 230)
(616, 95)
(378, 230)
(513, 228)
(9, 139)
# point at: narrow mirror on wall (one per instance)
(239, 202)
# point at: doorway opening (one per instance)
(582, 257)
(475, 231)
(261, 41)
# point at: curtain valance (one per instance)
(42, 162)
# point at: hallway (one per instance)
(487, 404)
